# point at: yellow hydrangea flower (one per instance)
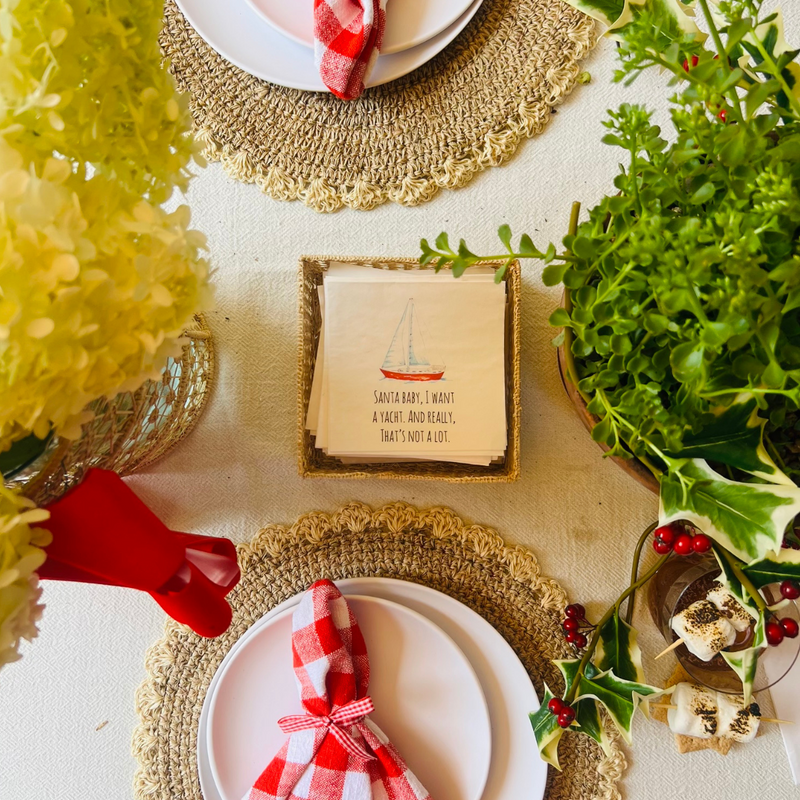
(20, 556)
(97, 280)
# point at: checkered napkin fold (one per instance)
(347, 40)
(334, 751)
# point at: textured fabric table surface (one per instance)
(66, 710)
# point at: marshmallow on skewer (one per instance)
(695, 711)
(703, 629)
(730, 607)
(737, 721)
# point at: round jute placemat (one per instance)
(463, 111)
(432, 547)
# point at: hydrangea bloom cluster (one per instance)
(20, 556)
(97, 279)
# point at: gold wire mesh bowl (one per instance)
(131, 430)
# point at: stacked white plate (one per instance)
(448, 691)
(273, 39)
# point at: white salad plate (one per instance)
(242, 37)
(427, 698)
(408, 22)
(515, 770)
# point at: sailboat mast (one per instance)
(410, 359)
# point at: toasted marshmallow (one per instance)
(703, 629)
(695, 713)
(735, 720)
(730, 607)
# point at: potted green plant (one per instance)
(682, 319)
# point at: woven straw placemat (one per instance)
(433, 547)
(463, 111)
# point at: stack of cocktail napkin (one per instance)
(410, 366)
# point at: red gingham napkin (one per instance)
(334, 751)
(347, 39)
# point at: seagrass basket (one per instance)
(314, 463)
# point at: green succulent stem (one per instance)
(637, 554)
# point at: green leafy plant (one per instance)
(681, 313)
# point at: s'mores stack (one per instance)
(702, 713)
(708, 626)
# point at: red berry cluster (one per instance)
(677, 538)
(695, 62)
(776, 630)
(787, 628)
(575, 624)
(565, 713)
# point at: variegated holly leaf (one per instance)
(546, 729)
(748, 519)
(775, 567)
(545, 725)
(587, 713)
(735, 438)
(618, 650)
(745, 662)
(675, 19)
(619, 697)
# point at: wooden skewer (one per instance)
(676, 643)
(761, 719)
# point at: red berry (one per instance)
(695, 60)
(701, 543)
(790, 627)
(570, 624)
(571, 636)
(575, 611)
(566, 717)
(580, 641)
(723, 115)
(556, 705)
(790, 590)
(774, 633)
(662, 548)
(683, 544)
(666, 533)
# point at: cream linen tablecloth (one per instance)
(238, 470)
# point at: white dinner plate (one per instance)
(408, 22)
(516, 771)
(427, 697)
(239, 35)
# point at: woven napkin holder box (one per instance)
(314, 463)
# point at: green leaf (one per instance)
(745, 662)
(748, 519)
(735, 438)
(526, 247)
(560, 318)
(686, 361)
(618, 651)
(619, 697)
(443, 243)
(587, 712)
(703, 194)
(554, 274)
(546, 729)
(779, 565)
(504, 232)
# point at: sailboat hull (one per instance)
(412, 376)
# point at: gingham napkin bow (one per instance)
(334, 750)
(348, 714)
(347, 39)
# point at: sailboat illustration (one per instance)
(406, 360)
